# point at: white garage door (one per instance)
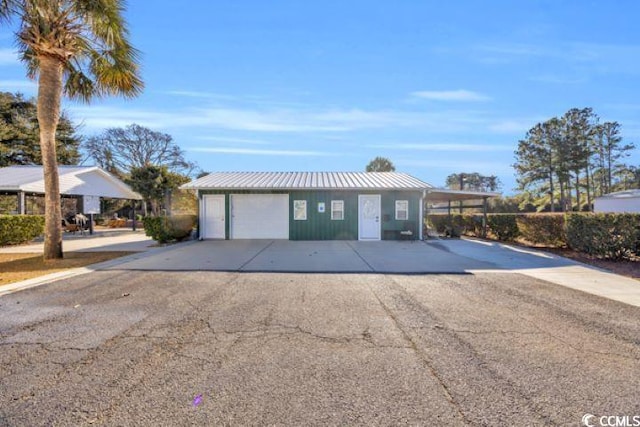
(259, 216)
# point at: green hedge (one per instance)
(611, 236)
(17, 229)
(542, 229)
(168, 229)
(503, 226)
(467, 224)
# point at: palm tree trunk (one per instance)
(49, 98)
(551, 191)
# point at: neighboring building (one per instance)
(311, 205)
(85, 183)
(621, 201)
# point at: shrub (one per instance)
(545, 229)
(503, 226)
(17, 229)
(611, 236)
(117, 223)
(438, 222)
(465, 224)
(167, 229)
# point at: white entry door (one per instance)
(214, 216)
(369, 217)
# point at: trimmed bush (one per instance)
(168, 229)
(609, 236)
(503, 226)
(17, 229)
(546, 229)
(465, 224)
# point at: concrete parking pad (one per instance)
(210, 255)
(309, 256)
(414, 258)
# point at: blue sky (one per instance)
(437, 87)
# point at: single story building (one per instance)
(312, 205)
(87, 184)
(618, 202)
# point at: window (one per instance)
(299, 210)
(402, 210)
(337, 210)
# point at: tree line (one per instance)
(565, 162)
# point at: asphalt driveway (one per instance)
(123, 347)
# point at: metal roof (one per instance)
(74, 180)
(308, 181)
(625, 194)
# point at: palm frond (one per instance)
(88, 37)
(8, 9)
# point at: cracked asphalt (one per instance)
(213, 348)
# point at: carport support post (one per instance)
(424, 217)
(484, 217)
(21, 203)
(133, 223)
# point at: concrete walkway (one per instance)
(101, 241)
(549, 267)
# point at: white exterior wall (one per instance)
(611, 204)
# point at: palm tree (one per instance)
(79, 48)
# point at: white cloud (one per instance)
(512, 126)
(599, 57)
(198, 94)
(461, 163)
(255, 152)
(446, 147)
(288, 121)
(26, 86)
(560, 80)
(234, 140)
(451, 95)
(95, 117)
(9, 57)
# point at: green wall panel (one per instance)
(320, 226)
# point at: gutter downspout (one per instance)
(200, 216)
(423, 215)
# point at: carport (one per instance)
(442, 195)
(86, 184)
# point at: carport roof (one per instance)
(74, 180)
(435, 195)
(308, 181)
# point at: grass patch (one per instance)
(18, 267)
